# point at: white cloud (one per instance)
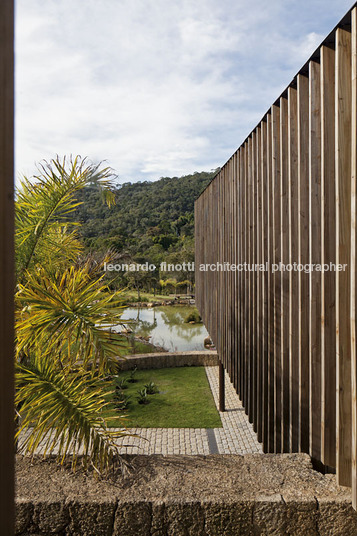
(154, 87)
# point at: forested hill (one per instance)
(148, 218)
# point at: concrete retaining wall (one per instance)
(185, 496)
(169, 359)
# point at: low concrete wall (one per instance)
(185, 496)
(169, 359)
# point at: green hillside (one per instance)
(150, 221)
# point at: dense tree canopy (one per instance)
(149, 222)
(145, 212)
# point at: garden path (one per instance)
(235, 437)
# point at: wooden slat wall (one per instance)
(6, 267)
(288, 195)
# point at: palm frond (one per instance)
(49, 198)
(64, 414)
(69, 314)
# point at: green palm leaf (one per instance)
(68, 314)
(63, 413)
(45, 202)
(63, 310)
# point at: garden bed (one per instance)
(183, 400)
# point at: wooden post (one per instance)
(6, 266)
(303, 258)
(293, 193)
(328, 254)
(222, 405)
(353, 257)
(285, 276)
(343, 129)
(315, 257)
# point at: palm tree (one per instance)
(64, 349)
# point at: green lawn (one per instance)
(184, 400)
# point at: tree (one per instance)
(64, 349)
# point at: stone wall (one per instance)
(169, 359)
(184, 496)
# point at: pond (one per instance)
(166, 327)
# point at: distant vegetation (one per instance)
(149, 222)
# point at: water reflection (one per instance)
(166, 327)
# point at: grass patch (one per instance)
(184, 399)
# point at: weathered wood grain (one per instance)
(6, 266)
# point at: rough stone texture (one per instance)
(177, 518)
(229, 518)
(24, 512)
(52, 517)
(133, 518)
(216, 495)
(337, 514)
(91, 518)
(169, 359)
(273, 516)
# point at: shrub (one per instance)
(142, 396)
(122, 384)
(151, 388)
(121, 400)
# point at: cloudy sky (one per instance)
(155, 87)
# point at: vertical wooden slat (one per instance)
(259, 238)
(232, 297)
(303, 253)
(293, 275)
(271, 332)
(245, 280)
(250, 278)
(328, 254)
(239, 256)
(277, 275)
(241, 275)
(249, 304)
(315, 258)
(353, 256)
(6, 267)
(265, 285)
(254, 321)
(284, 276)
(343, 111)
(236, 259)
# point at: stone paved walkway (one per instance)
(235, 437)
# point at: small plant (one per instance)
(132, 378)
(142, 397)
(151, 388)
(122, 384)
(121, 400)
